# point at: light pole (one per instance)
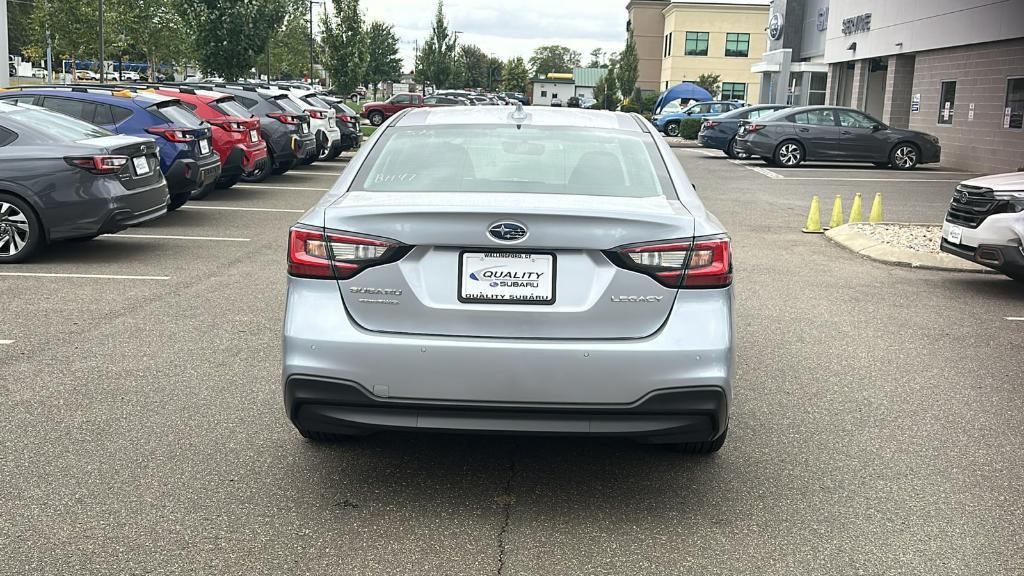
(455, 55)
(5, 79)
(103, 65)
(311, 40)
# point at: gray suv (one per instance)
(490, 269)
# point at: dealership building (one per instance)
(952, 68)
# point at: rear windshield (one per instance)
(50, 127)
(230, 107)
(288, 105)
(175, 113)
(317, 102)
(500, 158)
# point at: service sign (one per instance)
(857, 24)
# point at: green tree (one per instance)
(606, 92)
(436, 62)
(515, 76)
(289, 47)
(72, 25)
(628, 68)
(710, 82)
(596, 58)
(553, 58)
(470, 67)
(150, 30)
(494, 71)
(230, 35)
(345, 45)
(19, 25)
(383, 63)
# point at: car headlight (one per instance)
(1008, 195)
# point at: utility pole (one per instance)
(49, 48)
(103, 63)
(310, 41)
(5, 79)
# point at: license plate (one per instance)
(304, 128)
(330, 122)
(507, 278)
(955, 234)
(204, 146)
(141, 165)
(253, 136)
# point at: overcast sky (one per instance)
(508, 28)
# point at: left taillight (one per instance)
(704, 262)
(318, 253)
(709, 124)
(346, 118)
(98, 164)
(318, 114)
(172, 134)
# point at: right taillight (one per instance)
(704, 262)
(98, 164)
(284, 118)
(317, 253)
(754, 127)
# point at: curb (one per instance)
(680, 143)
(864, 245)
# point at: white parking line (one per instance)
(1015, 318)
(271, 187)
(102, 276)
(6, 342)
(760, 170)
(871, 179)
(176, 237)
(244, 209)
(309, 172)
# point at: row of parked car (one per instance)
(787, 136)
(378, 112)
(78, 162)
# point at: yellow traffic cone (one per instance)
(814, 218)
(837, 213)
(876, 210)
(855, 212)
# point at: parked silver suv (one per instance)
(493, 269)
(985, 223)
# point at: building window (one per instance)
(1013, 108)
(696, 44)
(737, 45)
(947, 100)
(554, 95)
(543, 93)
(819, 83)
(667, 51)
(734, 91)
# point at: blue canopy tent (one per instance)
(686, 91)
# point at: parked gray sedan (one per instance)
(61, 178)
(827, 133)
(493, 269)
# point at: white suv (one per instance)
(985, 223)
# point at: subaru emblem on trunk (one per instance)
(506, 231)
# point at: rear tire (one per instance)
(789, 154)
(259, 172)
(283, 167)
(177, 201)
(709, 447)
(227, 182)
(376, 118)
(732, 152)
(18, 223)
(202, 192)
(672, 129)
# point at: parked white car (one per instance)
(39, 72)
(985, 223)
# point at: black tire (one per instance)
(323, 154)
(672, 129)
(731, 152)
(177, 201)
(788, 154)
(904, 156)
(18, 215)
(283, 167)
(202, 192)
(709, 447)
(227, 182)
(259, 172)
(308, 159)
(376, 118)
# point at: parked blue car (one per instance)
(668, 123)
(187, 158)
(719, 132)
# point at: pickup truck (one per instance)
(378, 112)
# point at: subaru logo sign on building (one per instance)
(775, 26)
(507, 231)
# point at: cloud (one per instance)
(508, 29)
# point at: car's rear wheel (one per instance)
(202, 192)
(284, 167)
(789, 154)
(672, 129)
(732, 152)
(904, 156)
(227, 182)
(21, 232)
(709, 447)
(259, 172)
(376, 118)
(177, 201)
(324, 153)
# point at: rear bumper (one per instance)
(710, 140)
(755, 147)
(187, 175)
(242, 158)
(503, 384)
(683, 415)
(108, 208)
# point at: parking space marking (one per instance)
(1015, 318)
(871, 179)
(101, 276)
(760, 170)
(244, 209)
(309, 173)
(159, 237)
(2, 342)
(272, 187)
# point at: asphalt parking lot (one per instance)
(877, 426)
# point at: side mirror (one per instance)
(877, 127)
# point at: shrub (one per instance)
(689, 128)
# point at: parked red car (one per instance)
(378, 112)
(236, 133)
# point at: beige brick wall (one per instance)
(981, 72)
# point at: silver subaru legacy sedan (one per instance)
(511, 270)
